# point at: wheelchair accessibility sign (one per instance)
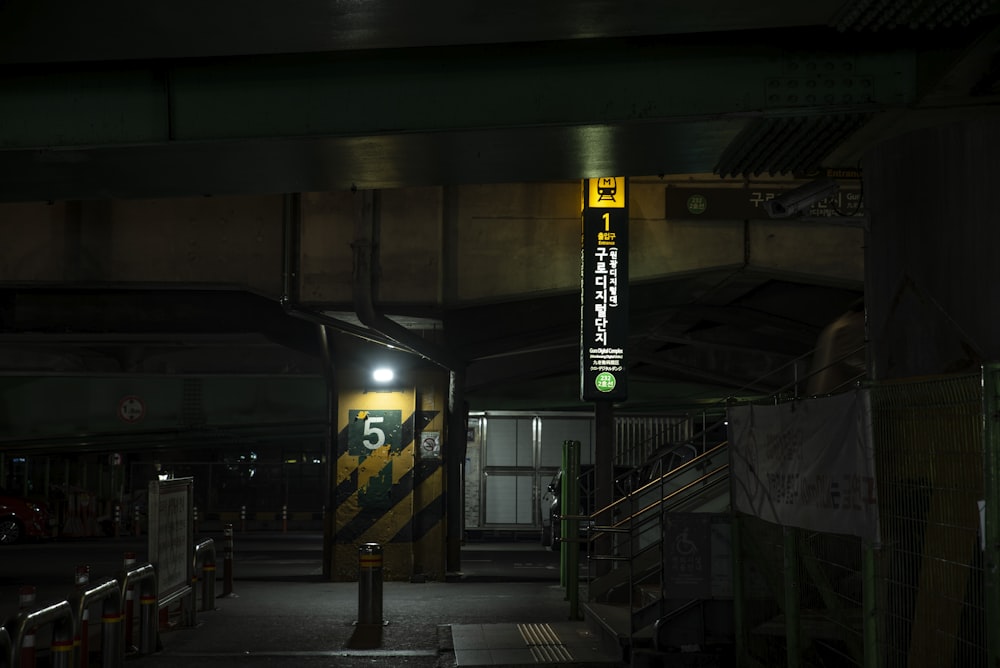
(687, 538)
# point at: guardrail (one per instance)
(67, 617)
(60, 615)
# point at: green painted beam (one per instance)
(433, 90)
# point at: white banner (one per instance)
(807, 464)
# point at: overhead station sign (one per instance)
(604, 290)
(692, 202)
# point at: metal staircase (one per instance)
(630, 595)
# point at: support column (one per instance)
(604, 471)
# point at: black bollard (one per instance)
(370, 584)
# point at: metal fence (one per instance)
(802, 596)
(919, 599)
(929, 459)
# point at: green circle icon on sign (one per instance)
(605, 381)
(697, 204)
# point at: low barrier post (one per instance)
(284, 518)
(26, 600)
(81, 579)
(118, 520)
(243, 518)
(148, 617)
(60, 615)
(227, 561)
(129, 604)
(112, 649)
(204, 553)
(143, 579)
(370, 584)
(136, 529)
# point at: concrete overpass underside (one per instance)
(198, 190)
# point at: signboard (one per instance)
(171, 533)
(807, 464)
(430, 445)
(604, 290)
(375, 437)
(690, 202)
(131, 409)
(687, 555)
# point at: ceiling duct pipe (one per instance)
(291, 229)
(366, 218)
(366, 215)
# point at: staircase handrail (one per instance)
(638, 521)
(658, 482)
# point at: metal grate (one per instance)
(873, 15)
(929, 462)
(787, 145)
(636, 437)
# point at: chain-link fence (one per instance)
(929, 461)
(918, 599)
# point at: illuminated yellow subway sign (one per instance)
(604, 290)
(606, 192)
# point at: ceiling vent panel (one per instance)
(787, 145)
(874, 15)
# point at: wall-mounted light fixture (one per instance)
(383, 375)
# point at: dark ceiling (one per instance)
(684, 111)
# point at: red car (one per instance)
(21, 518)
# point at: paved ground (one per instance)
(506, 608)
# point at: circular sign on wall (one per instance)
(131, 409)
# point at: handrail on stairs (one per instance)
(628, 499)
(637, 522)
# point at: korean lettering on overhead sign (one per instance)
(715, 203)
(604, 290)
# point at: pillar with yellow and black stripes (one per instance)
(389, 479)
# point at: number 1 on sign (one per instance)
(607, 221)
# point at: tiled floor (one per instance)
(529, 645)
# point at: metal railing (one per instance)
(633, 527)
(67, 616)
(64, 624)
(109, 592)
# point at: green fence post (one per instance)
(563, 505)
(738, 594)
(869, 605)
(991, 494)
(792, 587)
(572, 532)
